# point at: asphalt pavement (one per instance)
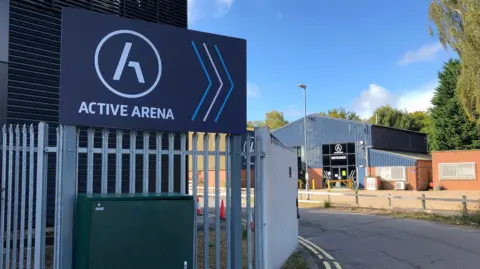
(370, 241)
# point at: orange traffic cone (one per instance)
(222, 212)
(199, 211)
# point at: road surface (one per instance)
(369, 241)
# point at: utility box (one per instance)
(133, 231)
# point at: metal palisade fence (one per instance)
(24, 198)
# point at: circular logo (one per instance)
(338, 148)
(105, 83)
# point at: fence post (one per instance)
(356, 197)
(424, 202)
(236, 203)
(41, 196)
(66, 197)
(262, 135)
(390, 201)
(464, 205)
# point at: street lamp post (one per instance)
(304, 87)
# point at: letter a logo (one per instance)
(143, 87)
(132, 64)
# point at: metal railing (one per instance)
(20, 173)
(25, 155)
(423, 199)
(464, 202)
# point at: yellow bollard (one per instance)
(313, 184)
(300, 184)
(328, 184)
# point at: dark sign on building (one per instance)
(339, 161)
(128, 74)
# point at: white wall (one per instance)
(281, 194)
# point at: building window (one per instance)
(391, 173)
(457, 171)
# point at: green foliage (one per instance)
(391, 117)
(457, 24)
(451, 129)
(446, 16)
(341, 113)
(468, 84)
(253, 124)
(274, 120)
(420, 121)
(296, 261)
(472, 219)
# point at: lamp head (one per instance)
(302, 86)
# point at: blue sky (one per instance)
(350, 53)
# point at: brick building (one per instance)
(456, 170)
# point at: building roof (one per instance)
(408, 155)
(455, 150)
(318, 116)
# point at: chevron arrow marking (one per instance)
(219, 88)
(231, 83)
(208, 77)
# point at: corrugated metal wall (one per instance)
(324, 130)
(396, 139)
(382, 158)
(34, 29)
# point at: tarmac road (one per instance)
(369, 241)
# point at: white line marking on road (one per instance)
(337, 265)
(317, 247)
(311, 249)
(327, 265)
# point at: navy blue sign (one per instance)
(128, 74)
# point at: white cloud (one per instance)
(292, 112)
(194, 11)
(410, 100)
(418, 99)
(253, 90)
(425, 53)
(199, 9)
(223, 6)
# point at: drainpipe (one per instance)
(367, 161)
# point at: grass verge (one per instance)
(472, 220)
(296, 261)
(223, 249)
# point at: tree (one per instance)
(341, 113)
(417, 121)
(390, 117)
(451, 129)
(274, 120)
(457, 24)
(253, 124)
(420, 121)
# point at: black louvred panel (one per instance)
(34, 74)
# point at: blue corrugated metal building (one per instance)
(343, 146)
